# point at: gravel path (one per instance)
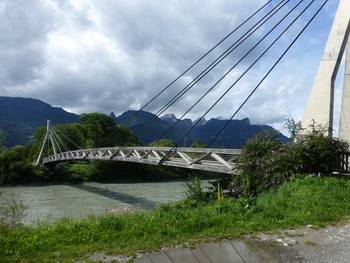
(330, 244)
(306, 245)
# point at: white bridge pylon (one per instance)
(48, 138)
(319, 108)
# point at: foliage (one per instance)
(303, 201)
(318, 151)
(125, 137)
(263, 164)
(12, 211)
(162, 143)
(195, 194)
(198, 144)
(99, 130)
(266, 162)
(72, 134)
(293, 127)
(13, 166)
(16, 167)
(2, 139)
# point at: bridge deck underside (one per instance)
(206, 159)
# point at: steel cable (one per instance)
(211, 66)
(254, 90)
(224, 94)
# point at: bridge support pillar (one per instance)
(319, 108)
(344, 124)
(48, 136)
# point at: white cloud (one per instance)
(103, 56)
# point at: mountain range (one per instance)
(20, 117)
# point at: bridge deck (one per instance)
(206, 159)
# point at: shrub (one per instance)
(195, 194)
(318, 151)
(266, 162)
(12, 211)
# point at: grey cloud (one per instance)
(103, 56)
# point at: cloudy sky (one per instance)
(115, 55)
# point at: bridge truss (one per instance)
(205, 159)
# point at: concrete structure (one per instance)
(344, 125)
(319, 108)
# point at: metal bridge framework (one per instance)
(206, 159)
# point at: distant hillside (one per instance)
(20, 117)
(234, 135)
(156, 129)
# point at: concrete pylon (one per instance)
(319, 108)
(344, 124)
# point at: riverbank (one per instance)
(304, 201)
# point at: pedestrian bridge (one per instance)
(206, 159)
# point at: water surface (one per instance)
(55, 201)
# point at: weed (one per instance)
(310, 243)
(12, 211)
(195, 193)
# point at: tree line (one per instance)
(94, 130)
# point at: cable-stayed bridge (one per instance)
(260, 33)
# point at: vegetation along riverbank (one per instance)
(279, 186)
(306, 200)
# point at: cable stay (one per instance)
(218, 60)
(228, 72)
(195, 63)
(57, 143)
(284, 31)
(268, 73)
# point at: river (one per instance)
(77, 200)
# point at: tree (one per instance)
(293, 127)
(198, 144)
(99, 130)
(162, 143)
(72, 135)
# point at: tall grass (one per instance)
(305, 200)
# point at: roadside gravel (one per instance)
(329, 244)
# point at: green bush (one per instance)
(195, 194)
(266, 162)
(318, 151)
(12, 211)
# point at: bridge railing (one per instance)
(342, 163)
(207, 159)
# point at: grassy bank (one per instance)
(306, 200)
